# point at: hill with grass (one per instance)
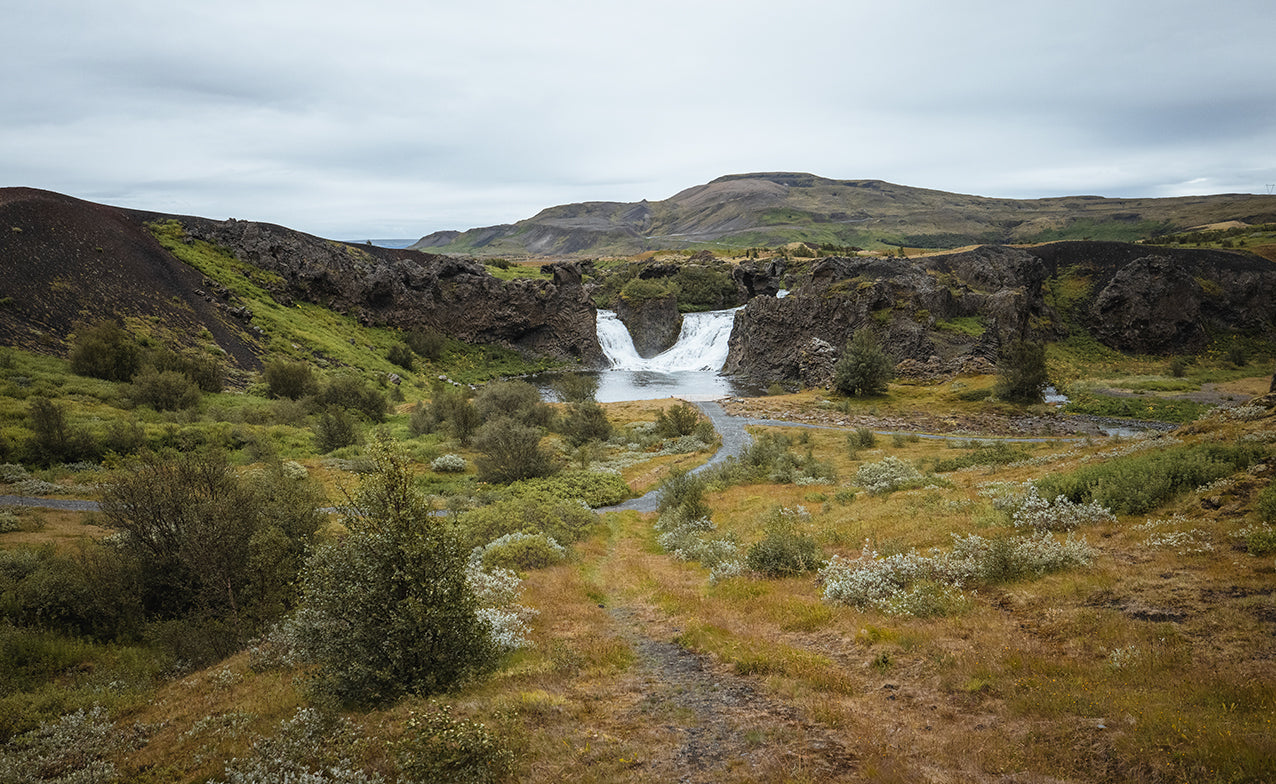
(767, 209)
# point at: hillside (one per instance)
(767, 209)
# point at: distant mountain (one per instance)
(769, 209)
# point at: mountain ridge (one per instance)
(775, 208)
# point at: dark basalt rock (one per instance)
(654, 324)
(410, 289)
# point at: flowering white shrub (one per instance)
(1183, 541)
(497, 591)
(295, 471)
(1245, 413)
(448, 464)
(306, 749)
(71, 750)
(1037, 513)
(521, 550)
(888, 475)
(911, 583)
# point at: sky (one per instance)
(388, 119)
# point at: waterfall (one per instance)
(701, 345)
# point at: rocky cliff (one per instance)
(948, 314)
(551, 317)
(653, 324)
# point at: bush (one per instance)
(509, 451)
(862, 438)
(1265, 505)
(104, 350)
(530, 511)
(679, 420)
(53, 439)
(76, 748)
(785, 552)
(400, 354)
(517, 400)
(684, 493)
(448, 464)
(592, 488)
(166, 390)
(1135, 484)
(438, 747)
(1060, 514)
(450, 408)
(1021, 372)
(309, 748)
(333, 430)
(291, 380)
(522, 551)
(427, 343)
(388, 610)
(887, 476)
(863, 368)
(987, 454)
(576, 387)
(586, 422)
(353, 394)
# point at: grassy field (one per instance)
(1152, 663)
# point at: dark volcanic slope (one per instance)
(64, 260)
(743, 210)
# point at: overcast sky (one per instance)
(386, 119)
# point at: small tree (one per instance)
(293, 380)
(388, 610)
(1021, 372)
(105, 350)
(510, 451)
(863, 368)
(586, 422)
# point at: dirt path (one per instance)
(725, 727)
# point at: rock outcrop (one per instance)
(949, 314)
(552, 317)
(654, 324)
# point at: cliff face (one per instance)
(654, 324)
(948, 314)
(407, 289)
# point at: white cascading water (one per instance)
(701, 345)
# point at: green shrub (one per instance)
(509, 451)
(389, 610)
(862, 438)
(1135, 484)
(593, 488)
(353, 394)
(1265, 504)
(586, 421)
(679, 420)
(166, 390)
(291, 380)
(1021, 372)
(522, 551)
(311, 747)
(449, 408)
(684, 493)
(427, 343)
(643, 289)
(531, 511)
(438, 747)
(784, 551)
(333, 430)
(54, 439)
(104, 350)
(205, 371)
(995, 453)
(517, 400)
(576, 387)
(863, 368)
(401, 354)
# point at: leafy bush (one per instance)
(995, 453)
(888, 475)
(529, 511)
(1258, 539)
(784, 551)
(449, 408)
(586, 422)
(427, 343)
(104, 350)
(862, 438)
(53, 438)
(523, 551)
(401, 354)
(516, 400)
(353, 394)
(576, 387)
(309, 748)
(863, 369)
(333, 430)
(679, 420)
(1265, 505)
(643, 289)
(1138, 483)
(1039, 514)
(9, 522)
(75, 748)
(448, 464)
(683, 492)
(438, 747)
(166, 390)
(291, 380)
(510, 451)
(388, 610)
(1021, 372)
(592, 488)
